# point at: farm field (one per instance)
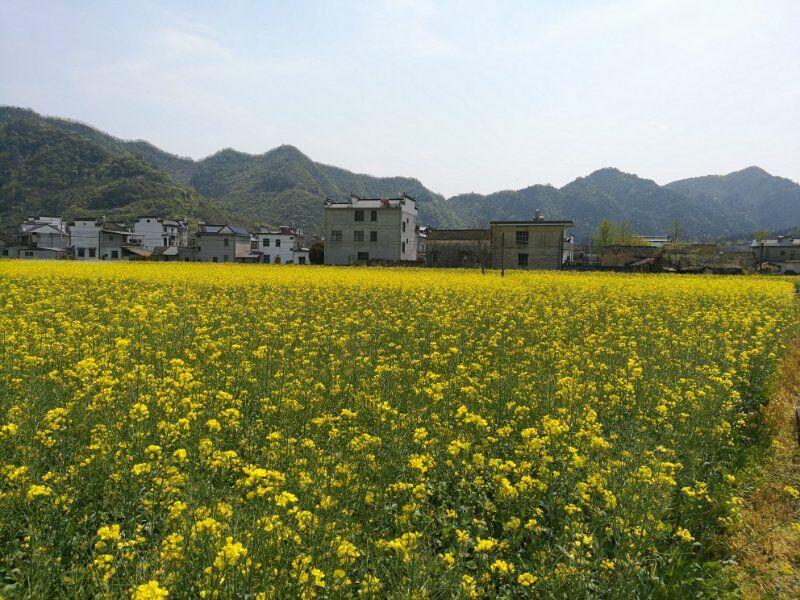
(184, 430)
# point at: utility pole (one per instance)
(502, 254)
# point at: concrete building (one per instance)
(458, 248)
(157, 232)
(364, 230)
(41, 237)
(222, 243)
(100, 239)
(657, 240)
(535, 244)
(781, 254)
(281, 245)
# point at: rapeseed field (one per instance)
(185, 430)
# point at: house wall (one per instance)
(286, 251)
(458, 253)
(545, 247)
(152, 231)
(85, 234)
(212, 248)
(51, 239)
(389, 228)
(778, 253)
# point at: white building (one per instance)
(360, 230)
(94, 239)
(282, 245)
(42, 237)
(157, 232)
(659, 241)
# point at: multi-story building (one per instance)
(42, 237)
(363, 230)
(783, 254)
(94, 239)
(162, 233)
(535, 244)
(222, 243)
(281, 245)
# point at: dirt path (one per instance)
(767, 548)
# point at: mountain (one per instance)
(605, 194)
(746, 200)
(45, 170)
(281, 186)
(48, 164)
(285, 186)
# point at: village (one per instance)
(385, 231)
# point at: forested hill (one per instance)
(49, 164)
(44, 170)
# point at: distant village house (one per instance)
(365, 230)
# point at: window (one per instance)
(373, 236)
(214, 259)
(404, 226)
(403, 247)
(336, 236)
(358, 236)
(363, 256)
(82, 252)
(114, 254)
(265, 243)
(226, 242)
(277, 243)
(266, 258)
(522, 259)
(359, 215)
(373, 215)
(92, 252)
(522, 237)
(28, 254)
(301, 260)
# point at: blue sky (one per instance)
(466, 96)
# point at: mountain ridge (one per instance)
(284, 185)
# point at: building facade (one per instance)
(162, 233)
(782, 254)
(99, 239)
(364, 230)
(468, 248)
(529, 245)
(222, 243)
(281, 245)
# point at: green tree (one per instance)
(606, 234)
(676, 231)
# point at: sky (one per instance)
(465, 96)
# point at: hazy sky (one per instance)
(466, 96)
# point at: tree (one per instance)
(761, 235)
(606, 234)
(676, 231)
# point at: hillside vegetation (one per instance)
(284, 186)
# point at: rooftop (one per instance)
(458, 234)
(356, 201)
(786, 242)
(222, 229)
(533, 222)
